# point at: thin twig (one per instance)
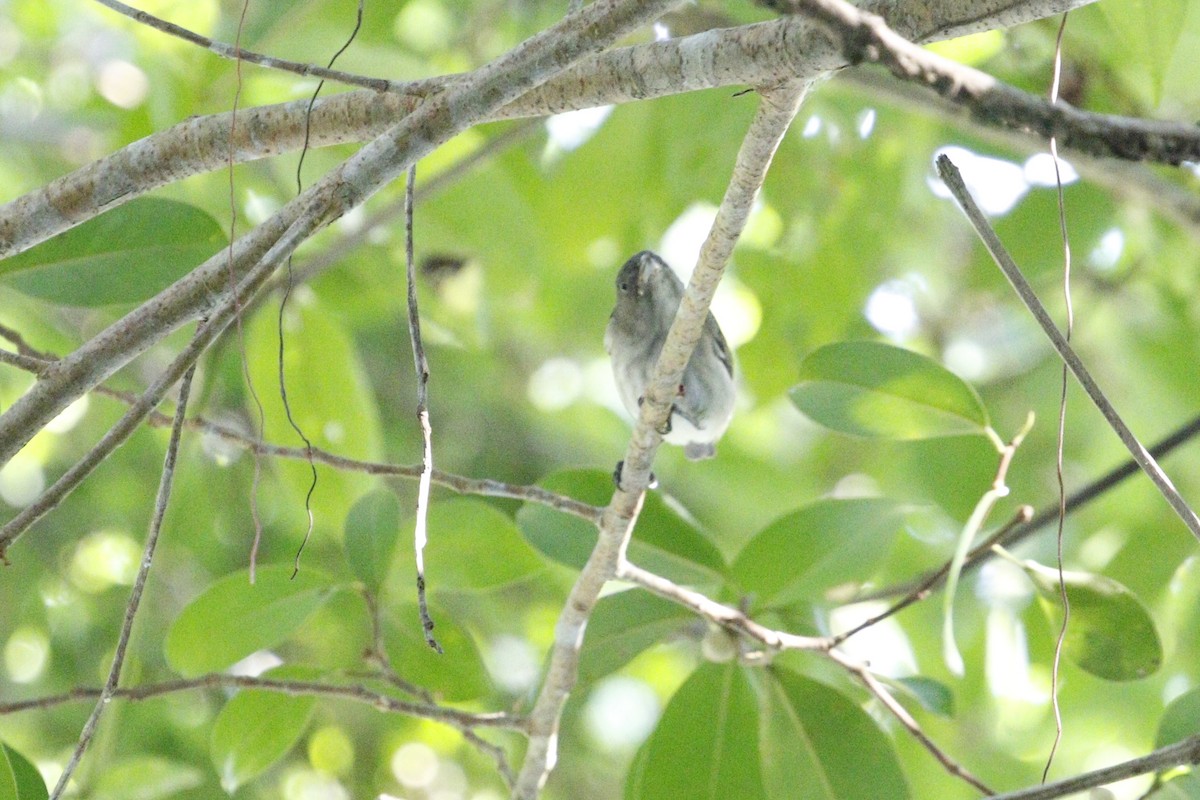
(970, 531)
(889, 702)
(359, 693)
(237, 54)
(953, 180)
(1185, 752)
(1180, 436)
(421, 367)
(1060, 443)
(380, 657)
(736, 621)
(926, 586)
(732, 619)
(239, 312)
(486, 487)
(124, 427)
(776, 110)
(161, 500)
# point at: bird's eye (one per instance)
(623, 286)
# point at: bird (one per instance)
(648, 296)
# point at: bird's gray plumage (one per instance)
(648, 295)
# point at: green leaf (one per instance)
(932, 695)
(1110, 634)
(814, 737)
(123, 256)
(457, 674)
(819, 547)
(330, 398)
(663, 540)
(705, 746)
(473, 546)
(232, 618)
(372, 530)
(145, 778)
(1148, 32)
(1180, 720)
(622, 626)
(257, 728)
(19, 779)
(873, 389)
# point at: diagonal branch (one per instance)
(953, 180)
(1174, 755)
(238, 54)
(776, 109)
(359, 693)
(763, 54)
(466, 103)
(166, 480)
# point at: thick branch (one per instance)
(764, 54)
(775, 113)
(466, 103)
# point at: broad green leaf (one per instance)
(372, 530)
(705, 746)
(232, 618)
(1147, 32)
(123, 256)
(473, 546)
(1180, 720)
(19, 779)
(330, 399)
(820, 547)
(814, 737)
(622, 626)
(932, 695)
(1110, 633)
(146, 778)
(257, 728)
(873, 389)
(456, 674)
(663, 540)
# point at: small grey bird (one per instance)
(648, 295)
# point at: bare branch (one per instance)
(729, 618)
(359, 693)
(953, 180)
(889, 702)
(161, 500)
(205, 335)
(776, 110)
(237, 53)
(465, 104)
(1185, 752)
(1023, 530)
(763, 54)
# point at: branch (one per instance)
(1185, 752)
(889, 702)
(208, 331)
(161, 500)
(953, 180)
(466, 103)
(764, 54)
(776, 109)
(238, 54)
(866, 37)
(1012, 534)
(359, 693)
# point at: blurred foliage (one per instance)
(850, 243)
